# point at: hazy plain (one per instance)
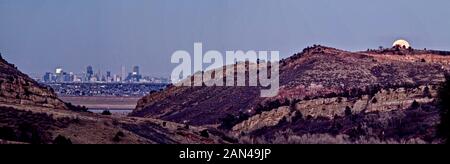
(103, 102)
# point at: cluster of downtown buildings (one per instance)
(60, 76)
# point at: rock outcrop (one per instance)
(383, 101)
(17, 88)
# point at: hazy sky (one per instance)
(39, 35)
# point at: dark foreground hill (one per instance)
(31, 113)
(17, 88)
(385, 95)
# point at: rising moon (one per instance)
(401, 43)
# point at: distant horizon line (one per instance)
(167, 74)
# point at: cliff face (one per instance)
(317, 72)
(17, 88)
(385, 100)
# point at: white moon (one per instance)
(401, 43)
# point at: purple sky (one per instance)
(39, 35)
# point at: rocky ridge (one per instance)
(375, 95)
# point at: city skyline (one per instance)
(59, 74)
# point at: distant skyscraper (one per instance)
(65, 77)
(47, 77)
(89, 72)
(135, 75)
(71, 76)
(124, 73)
(99, 76)
(59, 70)
(117, 78)
(136, 70)
(59, 74)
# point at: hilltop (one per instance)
(314, 73)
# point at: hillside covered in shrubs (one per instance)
(379, 95)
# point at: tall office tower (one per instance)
(71, 76)
(116, 78)
(98, 75)
(59, 70)
(123, 74)
(136, 70)
(109, 78)
(65, 77)
(59, 74)
(89, 73)
(47, 77)
(135, 75)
